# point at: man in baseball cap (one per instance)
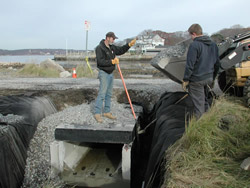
(111, 34)
(106, 53)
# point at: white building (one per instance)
(150, 41)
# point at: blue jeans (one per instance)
(105, 92)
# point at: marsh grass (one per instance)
(33, 70)
(210, 152)
(82, 70)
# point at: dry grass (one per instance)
(212, 149)
(83, 70)
(33, 70)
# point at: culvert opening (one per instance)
(100, 166)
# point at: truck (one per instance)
(234, 74)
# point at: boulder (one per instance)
(246, 164)
(65, 74)
(50, 64)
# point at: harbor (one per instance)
(81, 56)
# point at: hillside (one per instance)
(234, 30)
(176, 37)
(228, 32)
(172, 38)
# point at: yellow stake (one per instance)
(87, 60)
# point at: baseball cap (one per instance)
(111, 34)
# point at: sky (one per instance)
(31, 24)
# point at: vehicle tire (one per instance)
(228, 87)
(222, 82)
(246, 92)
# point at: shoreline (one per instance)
(11, 64)
(141, 57)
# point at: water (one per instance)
(26, 58)
(36, 59)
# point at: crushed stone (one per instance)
(11, 119)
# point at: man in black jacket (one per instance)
(106, 60)
(201, 69)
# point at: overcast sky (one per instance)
(50, 23)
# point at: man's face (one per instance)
(110, 40)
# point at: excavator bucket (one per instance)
(172, 60)
(173, 68)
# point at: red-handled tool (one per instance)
(124, 85)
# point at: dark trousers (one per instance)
(198, 92)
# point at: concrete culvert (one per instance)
(38, 169)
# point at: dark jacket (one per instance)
(104, 55)
(202, 60)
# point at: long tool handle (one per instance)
(124, 85)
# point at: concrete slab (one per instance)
(114, 133)
(73, 154)
(126, 161)
(99, 168)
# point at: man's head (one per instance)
(110, 37)
(195, 30)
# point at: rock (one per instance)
(11, 64)
(226, 121)
(95, 72)
(50, 64)
(65, 74)
(246, 164)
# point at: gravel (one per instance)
(11, 119)
(178, 50)
(37, 172)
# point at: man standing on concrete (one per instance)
(106, 60)
(201, 69)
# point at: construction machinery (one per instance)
(234, 54)
(234, 77)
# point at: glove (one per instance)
(132, 42)
(115, 61)
(184, 85)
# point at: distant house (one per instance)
(149, 41)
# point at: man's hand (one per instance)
(212, 85)
(184, 85)
(115, 61)
(132, 42)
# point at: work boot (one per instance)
(109, 115)
(98, 118)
